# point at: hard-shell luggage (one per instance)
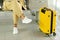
(47, 21)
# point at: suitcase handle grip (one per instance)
(47, 9)
(43, 11)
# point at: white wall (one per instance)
(54, 4)
(58, 6)
(51, 3)
(58, 3)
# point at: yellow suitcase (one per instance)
(47, 21)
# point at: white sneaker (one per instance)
(15, 30)
(26, 20)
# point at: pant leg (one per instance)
(16, 12)
(15, 19)
(17, 8)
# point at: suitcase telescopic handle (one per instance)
(45, 9)
(48, 10)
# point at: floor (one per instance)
(26, 31)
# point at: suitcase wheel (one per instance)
(47, 34)
(54, 34)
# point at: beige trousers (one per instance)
(16, 7)
(17, 11)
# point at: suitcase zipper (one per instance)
(51, 22)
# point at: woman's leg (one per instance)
(15, 22)
(20, 14)
(17, 12)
